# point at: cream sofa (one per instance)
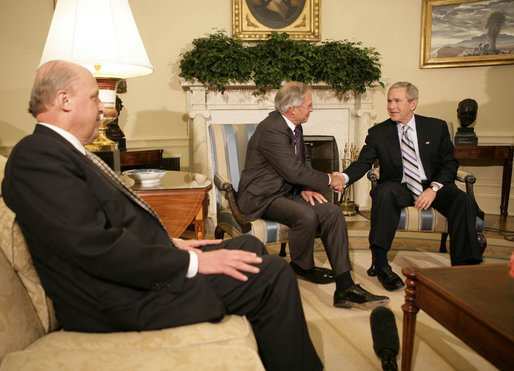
(30, 339)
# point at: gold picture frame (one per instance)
(454, 33)
(256, 19)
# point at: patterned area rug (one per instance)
(415, 241)
(342, 337)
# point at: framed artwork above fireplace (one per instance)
(256, 19)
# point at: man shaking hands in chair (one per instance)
(278, 183)
(417, 168)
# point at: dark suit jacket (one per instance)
(272, 168)
(106, 263)
(435, 149)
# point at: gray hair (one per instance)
(290, 95)
(50, 78)
(412, 91)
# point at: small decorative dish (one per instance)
(147, 177)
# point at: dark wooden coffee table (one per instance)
(475, 303)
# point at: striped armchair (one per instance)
(430, 220)
(228, 150)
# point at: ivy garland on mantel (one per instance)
(219, 60)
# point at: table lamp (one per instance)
(102, 36)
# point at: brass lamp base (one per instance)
(349, 208)
(107, 88)
(102, 143)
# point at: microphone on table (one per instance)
(385, 337)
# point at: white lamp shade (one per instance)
(100, 35)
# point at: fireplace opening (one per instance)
(324, 157)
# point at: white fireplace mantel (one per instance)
(347, 119)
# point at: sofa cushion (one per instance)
(203, 357)
(19, 323)
(226, 345)
(15, 249)
(232, 330)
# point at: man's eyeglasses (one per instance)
(308, 108)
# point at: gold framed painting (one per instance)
(256, 19)
(458, 33)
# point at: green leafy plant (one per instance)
(217, 60)
(280, 58)
(346, 66)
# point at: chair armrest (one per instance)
(373, 176)
(224, 184)
(469, 179)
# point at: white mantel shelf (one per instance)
(347, 118)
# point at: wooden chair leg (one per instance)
(444, 237)
(282, 249)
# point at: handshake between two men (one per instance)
(337, 181)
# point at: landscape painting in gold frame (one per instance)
(458, 33)
(256, 19)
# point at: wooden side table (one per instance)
(495, 154)
(179, 201)
(475, 303)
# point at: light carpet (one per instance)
(342, 337)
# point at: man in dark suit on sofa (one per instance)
(279, 183)
(105, 259)
(417, 167)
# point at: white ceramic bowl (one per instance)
(147, 177)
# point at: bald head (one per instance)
(66, 95)
(50, 78)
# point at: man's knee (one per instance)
(279, 267)
(308, 219)
(246, 243)
(384, 190)
(252, 243)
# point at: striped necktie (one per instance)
(410, 163)
(111, 175)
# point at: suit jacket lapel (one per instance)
(423, 133)
(43, 130)
(393, 144)
(283, 126)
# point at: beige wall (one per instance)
(155, 105)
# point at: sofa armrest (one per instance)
(224, 184)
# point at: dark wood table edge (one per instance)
(410, 310)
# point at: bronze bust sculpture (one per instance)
(467, 114)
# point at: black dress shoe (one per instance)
(357, 297)
(390, 280)
(317, 275)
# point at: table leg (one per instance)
(506, 180)
(409, 320)
(199, 220)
